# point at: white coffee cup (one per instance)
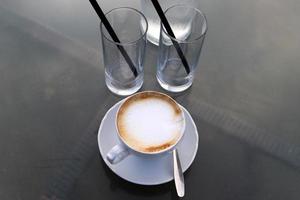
(165, 129)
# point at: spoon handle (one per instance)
(178, 175)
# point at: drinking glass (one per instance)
(127, 23)
(189, 26)
(153, 18)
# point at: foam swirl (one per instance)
(150, 122)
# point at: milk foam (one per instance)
(151, 122)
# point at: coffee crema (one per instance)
(150, 122)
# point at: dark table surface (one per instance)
(245, 102)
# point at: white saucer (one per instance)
(147, 171)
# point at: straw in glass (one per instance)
(113, 36)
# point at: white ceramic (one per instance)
(147, 170)
(122, 150)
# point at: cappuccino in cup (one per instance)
(147, 123)
(150, 122)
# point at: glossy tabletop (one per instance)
(244, 100)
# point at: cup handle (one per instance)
(117, 154)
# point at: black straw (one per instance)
(113, 35)
(171, 33)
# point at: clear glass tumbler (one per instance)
(153, 18)
(172, 75)
(127, 23)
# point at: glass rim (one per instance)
(197, 11)
(129, 42)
